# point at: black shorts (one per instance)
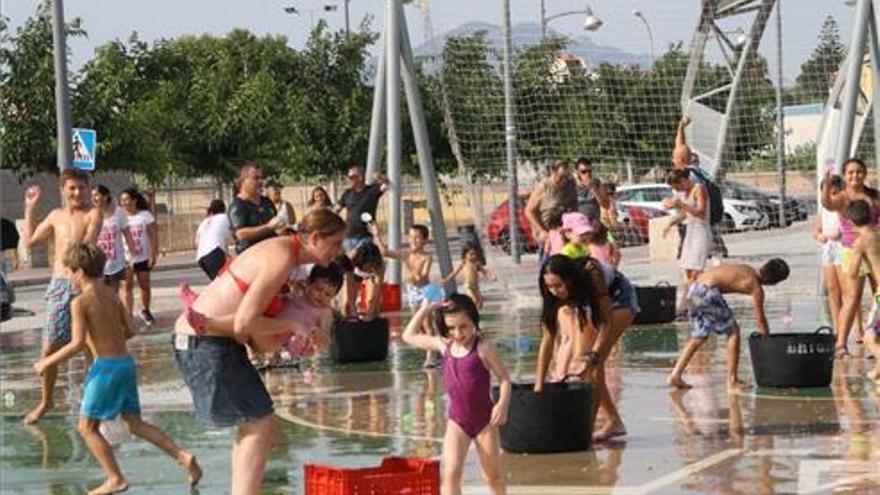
(115, 277)
(142, 266)
(212, 262)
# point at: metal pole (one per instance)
(644, 20)
(543, 20)
(62, 91)
(510, 131)
(780, 116)
(377, 120)
(347, 26)
(393, 151)
(423, 148)
(851, 83)
(875, 99)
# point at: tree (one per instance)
(818, 71)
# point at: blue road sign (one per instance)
(84, 141)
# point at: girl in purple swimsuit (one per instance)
(467, 361)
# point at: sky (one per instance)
(670, 20)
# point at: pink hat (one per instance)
(577, 223)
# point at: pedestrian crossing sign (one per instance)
(83, 142)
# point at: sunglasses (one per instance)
(585, 171)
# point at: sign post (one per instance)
(83, 143)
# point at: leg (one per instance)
(852, 297)
(128, 290)
(47, 382)
(350, 295)
(733, 382)
(249, 455)
(488, 446)
(98, 446)
(430, 356)
(621, 318)
(143, 279)
(832, 284)
(157, 437)
(674, 378)
(872, 341)
(455, 447)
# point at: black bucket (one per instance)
(793, 359)
(657, 303)
(557, 420)
(357, 341)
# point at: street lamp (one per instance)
(638, 14)
(591, 21)
(290, 9)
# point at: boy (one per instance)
(75, 221)
(866, 251)
(100, 322)
(710, 313)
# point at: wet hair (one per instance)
(72, 174)
(421, 229)
(583, 161)
(554, 217)
(581, 292)
(104, 191)
(332, 273)
(140, 202)
(859, 212)
(366, 255)
(217, 206)
(455, 303)
(674, 175)
(774, 271)
(322, 221)
(85, 256)
(311, 202)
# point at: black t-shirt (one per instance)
(243, 213)
(355, 204)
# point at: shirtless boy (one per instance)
(75, 221)
(710, 313)
(866, 251)
(101, 322)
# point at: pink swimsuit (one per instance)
(467, 382)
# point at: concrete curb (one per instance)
(44, 279)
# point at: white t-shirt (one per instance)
(212, 233)
(138, 225)
(110, 241)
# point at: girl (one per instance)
(826, 231)
(114, 230)
(471, 267)
(602, 247)
(212, 236)
(589, 304)
(554, 240)
(318, 199)
(467, 361)
(142, 258)
(576, 228)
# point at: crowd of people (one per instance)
(277, 293)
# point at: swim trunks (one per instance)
(708, 311)
(59, 294)
(111, 388)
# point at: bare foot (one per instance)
(609, 432)
(677, 382)
(37, 413)
(196, 320)
(193, 470)
(736, 386)
(110, 486)
(187, 295)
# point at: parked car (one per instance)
(795, 209)
(498, 228)
(739, 215)
(635, 223)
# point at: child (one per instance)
(472, 268)
(554, 240)
(102, 323)
(467, 361)
(866, 250)
(576, 227)
(366, 266)
(601, 246)
(710, 313)
(826, 231)
(416, 260)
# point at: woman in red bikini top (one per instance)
(250, 286)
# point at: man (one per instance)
(358, 199)
(252, 216)
(286, 213)
(558, 191)
(75, 221)
(591, 197)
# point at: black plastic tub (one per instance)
(657, 303)
(357, 341)
(797, 360)
(557, 420)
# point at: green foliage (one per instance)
(818, 70)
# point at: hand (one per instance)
(671, 203)
(39, 367)
(685, 121)
(539, 388)
(153, 260)
(763, 333)
(373, 229)
(32, 196)
(275, 223)
(821, 238)
(667, 229)
(499, 415)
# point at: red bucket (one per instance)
(389, 300)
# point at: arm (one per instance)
(486, 273)
(382, 181)
(493, 362)
(454, 272)
(699, 210)
(247, 233)
(817, 229)
(262, 289)
(603, 318)
(32, 236)
(545, 352)
(397, 254)
(412, 334)
(531, 210)
(96, 220)
(831, 202)
(127, 322)
(77, 339)
(680, 138)
(425, 268)
(373, 305)
(760, 317)
(615, 254)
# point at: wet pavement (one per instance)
(703, 440)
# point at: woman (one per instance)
(113, 230)
(225, 387)
(588, 305)
(212, 237)
(318, 199)
(693, 211)
(141, 256)
(286, 215)
(854, 174)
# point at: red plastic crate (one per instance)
(396, 476)
(389, 301)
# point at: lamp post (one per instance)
(640, 16)
(591, 21)
(62, 91)
(290, 9)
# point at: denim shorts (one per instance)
(623, 294)
(225, 387)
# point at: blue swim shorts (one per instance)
(709, 311)
(60, 292)
(110, 389)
